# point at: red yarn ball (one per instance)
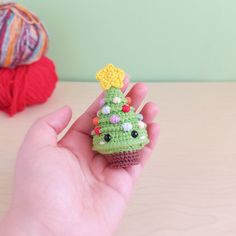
(26, 85)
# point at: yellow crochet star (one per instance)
(111, 76)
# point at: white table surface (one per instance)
(189, 186)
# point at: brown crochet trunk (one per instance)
(123, 159)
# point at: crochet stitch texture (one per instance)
(120, 130)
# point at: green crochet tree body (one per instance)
(119, 128)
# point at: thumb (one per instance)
(45, 130)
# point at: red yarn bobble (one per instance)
(126, 108)
(26, 85)
(97, 130)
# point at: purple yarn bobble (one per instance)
(106, 110)
(127, 126)
(114, 119)
(102, 102)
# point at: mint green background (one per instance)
(154, 40)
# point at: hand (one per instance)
(63, 187)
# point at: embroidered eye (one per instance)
(134, 134)
(107, 137)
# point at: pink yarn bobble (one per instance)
(114, 119)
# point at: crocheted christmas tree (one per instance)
(119, 132)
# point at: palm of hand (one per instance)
(65, 185)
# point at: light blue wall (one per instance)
(154, 40)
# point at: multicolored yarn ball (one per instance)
(121, 133)
(26, 85)
(23, 38)
(5, 1)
